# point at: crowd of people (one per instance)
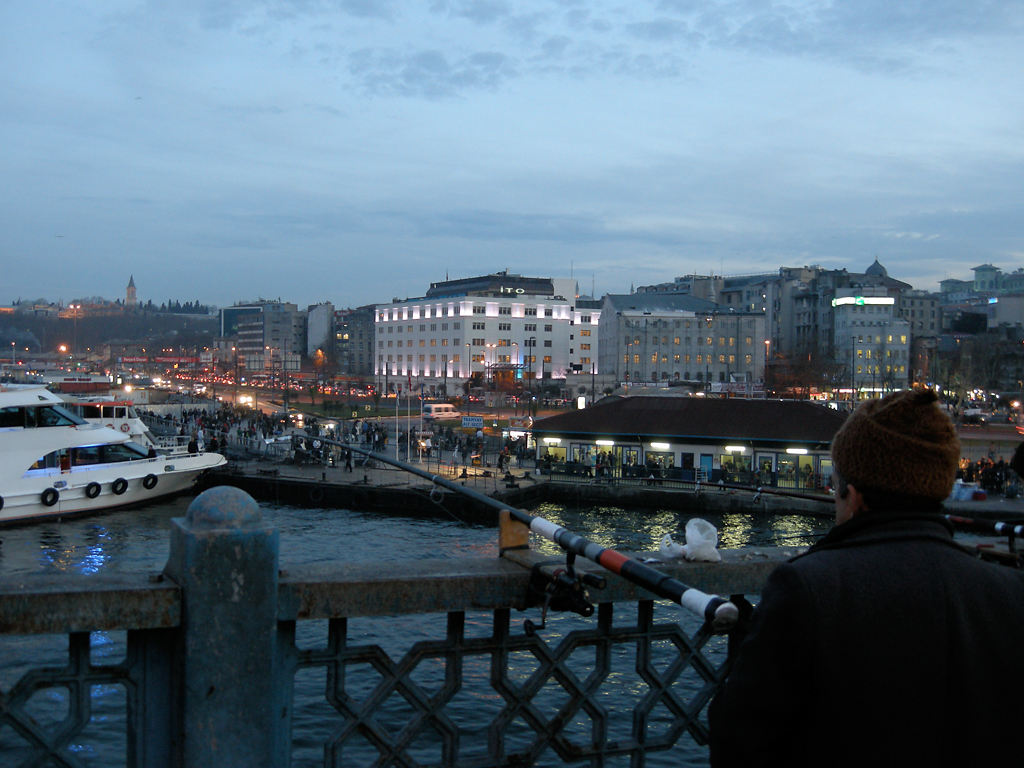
(994, 476)
(241, 433)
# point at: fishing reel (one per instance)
(559, 589)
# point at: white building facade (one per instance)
(501, 326)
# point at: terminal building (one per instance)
(771, 443)
(508, 328)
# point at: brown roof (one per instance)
(687, 419)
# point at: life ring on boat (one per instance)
(149, 482)
(125, 428)
(50, 496)
(119, 486)
(92, 490)
(316, 494)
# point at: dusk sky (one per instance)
(355, 150)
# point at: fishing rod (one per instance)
(1011, 531)
(718, 612)
(987, 526)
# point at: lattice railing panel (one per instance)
(559, 702)
(47, 714)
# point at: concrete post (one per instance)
(225, 560)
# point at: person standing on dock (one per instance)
(885, 643)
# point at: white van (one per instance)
(440, 411)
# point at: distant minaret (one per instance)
(129, 299)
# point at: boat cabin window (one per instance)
(123, 452)
(89, 454)
(12, 417)
(51, 416)
(69, 458)
(99, 411)
(41, 416)
(52, 460)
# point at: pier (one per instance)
(382, 488)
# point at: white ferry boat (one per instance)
(122, 415)
(53, 463)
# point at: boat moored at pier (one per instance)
(124, 416)
(54, 463)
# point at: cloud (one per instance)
(429, 73)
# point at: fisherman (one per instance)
(885, 643)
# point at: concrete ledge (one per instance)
(41, 605)
(44, 605)
(431, 586)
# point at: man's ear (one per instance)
(855, 502)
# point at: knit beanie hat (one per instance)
(902, 444)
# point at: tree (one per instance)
(475, 381)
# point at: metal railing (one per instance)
(220, 649)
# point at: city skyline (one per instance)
(357, 151)
(270, 298)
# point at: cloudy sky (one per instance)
(355, 150)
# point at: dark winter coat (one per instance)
(884, 644)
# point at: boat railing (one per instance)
(225, 659)
(172, 443)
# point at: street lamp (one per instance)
(531, 345)
(234, 355)
(74, 321)
(469, 377)
(853, 370)
(515, 372)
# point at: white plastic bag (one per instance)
(701, 543)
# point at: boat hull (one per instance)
(75, 492)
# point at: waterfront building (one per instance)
(271, 335)
(876, 341)
(674, 339)
(508, 328)
(780, 443)
(923, 312)
(319, 327)
(354, 340)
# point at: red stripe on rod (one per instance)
(612, 560)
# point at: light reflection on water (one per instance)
(642, 530)
(137, 541)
